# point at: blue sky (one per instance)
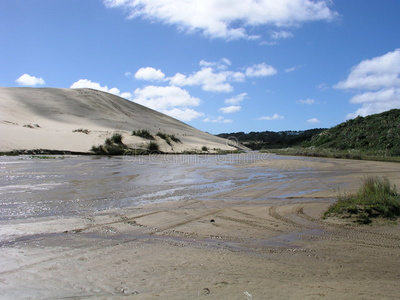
(218, 65)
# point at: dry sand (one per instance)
(47, 118)
(268, 246)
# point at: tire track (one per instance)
(249, 223)
(273, 213)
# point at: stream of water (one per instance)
(65, 186)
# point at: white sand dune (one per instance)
(45, 118)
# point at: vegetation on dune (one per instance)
(115, 146)
(379, 132)
(204, 148)
(168, 138)
(164, 137)
(143, 134)
(377, 197)
(116, 138)
(153, 147)
(85, 131)
(375, 137)
(174, 138)
(111, 146)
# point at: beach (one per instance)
(208, 227)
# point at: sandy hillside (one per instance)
(46, 118)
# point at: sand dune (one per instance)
(46, 118)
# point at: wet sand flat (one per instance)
(264, 239)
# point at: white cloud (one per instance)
(272, 118)
(289, 70)
(128, 74)
(218, 120)
(162, 98)
(373, 74)
(183, 114)
(313, 121)
(208, 80)
(227, 19)
(307, 101)
(375, 102)
(212, 77)
(377, 81)
(384, 95)
(226, 61)
(236, 99)
(260, 70)
(126, 95)
(323, 86)
(86, 83)
(222, 64)
(28, 80)
(283, 34)
(149, 74)
(230, 109)
(269, 43)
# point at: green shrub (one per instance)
(108, 142)
(115, 149)
(204, 148)
(175, 139)
(168, 138)
(98, 149)
(116, 138)
(143, 134)
(164, 137)
(111, 146)
(153, 147)
(377, 197)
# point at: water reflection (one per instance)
(80, 185)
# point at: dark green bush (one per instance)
(108, 142)
(153, 147)
(116, 138)
(164, 137)
(111, 146)
(143, 134)
(175, 139)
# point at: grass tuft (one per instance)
(377, 197)
(175, 139)
(143, 134)
(111, 146)
(117, 138)
(153, 147)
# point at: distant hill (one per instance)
(374, 132)
(273, 140)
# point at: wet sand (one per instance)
(263, 238)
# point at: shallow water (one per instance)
(65, 186)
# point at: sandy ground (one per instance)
(251, 243)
